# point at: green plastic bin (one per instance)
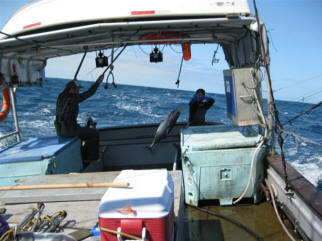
(216, 163)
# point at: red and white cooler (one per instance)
(144, 209)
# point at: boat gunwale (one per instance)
(306, 190)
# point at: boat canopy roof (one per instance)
(45, 28)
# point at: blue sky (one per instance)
(296, 66)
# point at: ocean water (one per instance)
(128, 105)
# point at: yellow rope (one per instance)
(51, 221)
(5, 236)
(120, 233)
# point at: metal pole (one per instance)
(14, 111)
(270, 117)
(268, 83)
(80, 65)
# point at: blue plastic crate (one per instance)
(39, 156)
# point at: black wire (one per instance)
(174, 50)
(248, 230)
(143, 50)
(310, 95)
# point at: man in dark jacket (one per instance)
(199, 104)
(66, 118)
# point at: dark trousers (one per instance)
(90, 149)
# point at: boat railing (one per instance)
(8, 135)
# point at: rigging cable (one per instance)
(111, 72)
(276, 114)
(240, 225)
(143, 50)
(114, 59)
(310, 95)
(298, 81)
(177, 52)
(178, 80)
(303, 113)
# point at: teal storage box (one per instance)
(216, 163)
(40, 156)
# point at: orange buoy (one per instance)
(5, 105)
(186, 51)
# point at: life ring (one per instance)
(5, 105)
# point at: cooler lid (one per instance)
(35, 149)
(199, 138)
(150, 195)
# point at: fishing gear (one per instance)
(178, 80)
(214, 59)
(111, 72)
(50, 223)
(37, 222)
(111, 66)
(28, 221)
(41, 208)
(113, 60)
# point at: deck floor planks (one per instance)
(80, 214)
(190, 222)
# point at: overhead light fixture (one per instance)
(156, 56)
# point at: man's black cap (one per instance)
(201, 91)
(71, 85)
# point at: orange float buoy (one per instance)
(186, 51)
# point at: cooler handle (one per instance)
(119, 236)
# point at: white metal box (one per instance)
(240, 87)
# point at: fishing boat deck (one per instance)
(259, 218)
(82, 205)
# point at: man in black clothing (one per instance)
(199, 104)
(66, 118)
